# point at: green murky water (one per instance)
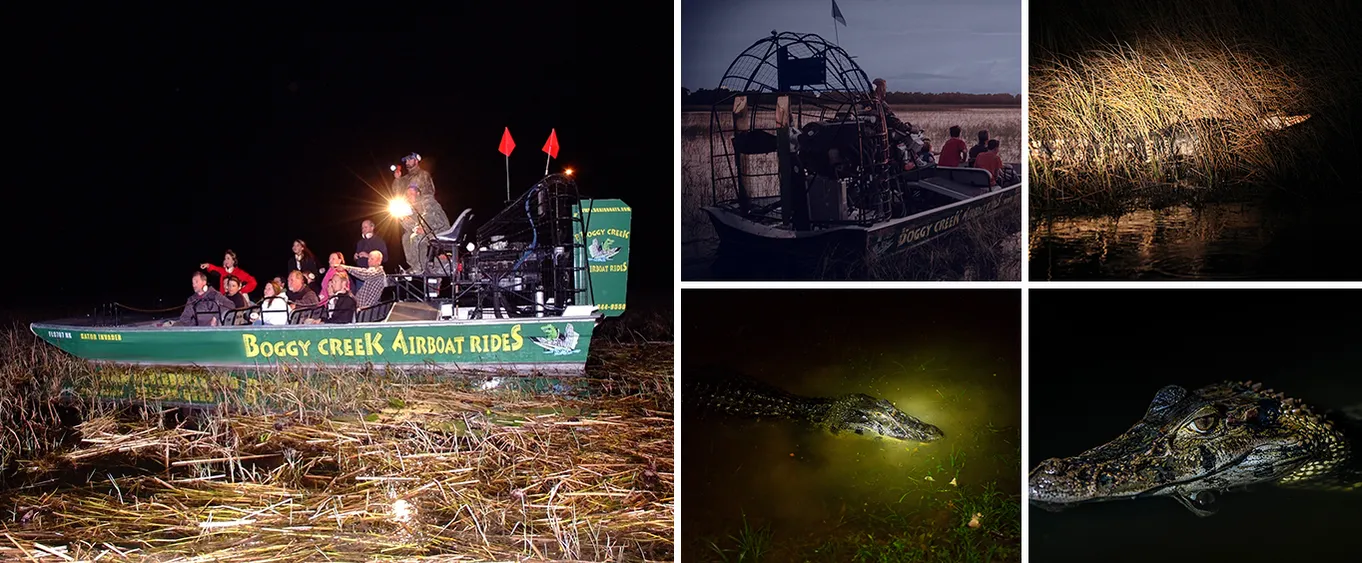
(810, 495)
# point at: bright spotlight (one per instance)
(399, 208)
(472, 247)
(567, 171)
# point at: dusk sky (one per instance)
(971, 46)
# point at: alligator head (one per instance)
(1192, 444)
(869, 416)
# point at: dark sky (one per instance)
(151, 150)
(969, 46)
(758, 329)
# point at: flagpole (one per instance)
(508, 178)
(546, 164)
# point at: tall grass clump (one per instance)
(1194, 97)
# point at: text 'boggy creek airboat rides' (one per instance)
(522, 296)
(806, 158)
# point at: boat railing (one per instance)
(239, 316)
(301, 315)
(118, 314)
(375, 313)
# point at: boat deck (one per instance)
(961, 183)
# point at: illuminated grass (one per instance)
(1209, 98)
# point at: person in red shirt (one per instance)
(990, 161)
(953, 152)
(229, 268)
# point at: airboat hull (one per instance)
(534, 344)
(881, 239)
(205, 365)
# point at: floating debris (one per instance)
(974, 521)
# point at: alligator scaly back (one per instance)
(1191, 445)
(742, 396)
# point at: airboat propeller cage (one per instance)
(805, 159)
(803, 62)
(788, 69)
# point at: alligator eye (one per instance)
(1204, 424)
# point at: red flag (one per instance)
(507, 145)
(551, 146)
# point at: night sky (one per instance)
(151, 150)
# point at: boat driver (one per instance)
(417, 175)
(878, 104)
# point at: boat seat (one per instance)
(451, 235)
(976, 177)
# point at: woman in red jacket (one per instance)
(229, 268)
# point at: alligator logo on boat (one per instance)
(603, 252)
(556, 343)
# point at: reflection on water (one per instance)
(825, 497)
(1214, 241)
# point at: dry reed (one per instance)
(401, 467)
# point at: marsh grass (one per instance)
(1191, 100)
(698, 239)
(749, 544)
(948, 525)
(356, 465)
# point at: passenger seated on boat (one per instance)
(990, 161)
(335, 259)
(375, 279)
(976, 149)
(299, 293)
(273, 306)
(204, 306)
(954, 152)
(925, 155)
(340, 307)
(234, 293)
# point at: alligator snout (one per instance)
(1049, 482)
(1063, 481)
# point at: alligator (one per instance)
(1191, 445)
(858, 413)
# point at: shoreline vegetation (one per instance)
(409, 465)
(705, 98)
(1190, 103)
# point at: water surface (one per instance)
(948, 358)
(1233, 241)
